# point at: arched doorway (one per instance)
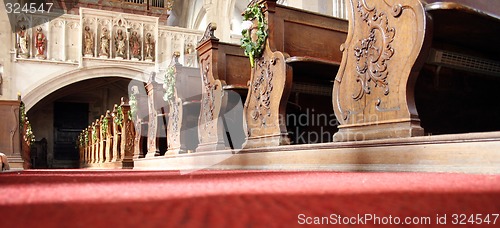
(71, 103)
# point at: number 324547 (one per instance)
(16, 8)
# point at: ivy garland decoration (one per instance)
(169, 83)
(119, 115)
(28, 135)
(104, 127)
(94, 134)
(254, 49)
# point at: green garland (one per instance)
(104, 127)
(254, 49)
(119, 115)
(86, 139)
(23, 119)
(169, 83)
(94, 134)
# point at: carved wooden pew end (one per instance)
(225, 71)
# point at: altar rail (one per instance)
(109, 140)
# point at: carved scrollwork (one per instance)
(208, 100)
(130, 138)
(373, 52)
(262, 88)
(174, 115)
(209, 33)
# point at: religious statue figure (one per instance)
(88, 40)
(23, 43)
(150, 46)
(189, 54)
(135, 46)
(104, 50)
(40, 41)
(120, 44)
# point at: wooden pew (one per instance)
(184, 110)
(173, 110)
(301, 46)
(388, 44)
(225, 71)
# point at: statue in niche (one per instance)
(23, 43)
(88, 40)
(190, 54)
(150, 46)
(104, 50)
(120, 44)
(135, 46)
(40, 42)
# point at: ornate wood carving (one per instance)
(101, 140)
(109, 137)
(174, 125)
(153, 89)
(210, 130)
(127, 139)
(223, 65)
(381, 54)
(262, 87)
(266, 101)
(209, 33)
(373, 52)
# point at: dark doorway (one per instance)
(69, 120)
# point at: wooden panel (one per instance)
(9, 128)
(301, 46)
(224, 67)
(384, 50)
(306, 40)
(237, 69)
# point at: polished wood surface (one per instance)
(398, 57)
(301, 47)
(9, 129)
(225, 73)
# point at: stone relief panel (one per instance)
(72, 41)
(57, 39)
(98, 35)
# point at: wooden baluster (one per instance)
(98, 141)
(88, 143)
(81, 148)
(92, 144)
(127, 142)
(116, 135)
(85, 146)
(102, 138)
(109, 137)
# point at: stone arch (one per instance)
(38, 92)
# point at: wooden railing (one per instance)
(109, 139)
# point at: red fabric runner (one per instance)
(242, 198)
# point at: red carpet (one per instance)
(242, 198)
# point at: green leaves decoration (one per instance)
(169, 83)
(255, 49)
